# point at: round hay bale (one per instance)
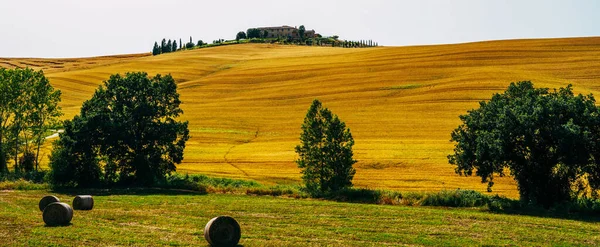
(57, 214)
(47, 200)
(222, 231)
(83, 202)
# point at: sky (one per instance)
(76, 28)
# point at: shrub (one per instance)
(22, 184)
(360, 195)
(456, 198)
(27, 162)
(278, 190)
(205, 184)
(33, 176)
(257, 40)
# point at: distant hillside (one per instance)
(245, 103)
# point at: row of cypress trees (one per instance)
(358, 44)
(171, 46)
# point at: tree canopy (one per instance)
(127, 132)
(156, 49)
(174, 48)
(325, 152)
(548, 140)
(301, 31)
(253, 33)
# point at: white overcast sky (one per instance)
(78, 28)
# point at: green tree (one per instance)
(169, 46)
(325, 152)
(128, 128)
(200, 43)
(240, 35)
(8, 95)
(155, 50)
(20, 109)
(253, 33)
(189, 45)
(45, 111)
(74, 160)
(163, 46)
(301, 31)
(549, 140)
(180, 44)
(174, 48)
(28, 107)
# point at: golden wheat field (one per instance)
(245, 103)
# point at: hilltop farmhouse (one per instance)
(286, 31)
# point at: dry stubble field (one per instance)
(245, 103)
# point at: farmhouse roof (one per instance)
(281, 27)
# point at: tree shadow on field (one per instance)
(566, 211)
(239, 245)
(138, 191)
(552, 214)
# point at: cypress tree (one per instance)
(155, 49)
(163, 46)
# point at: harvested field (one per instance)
(245, 103)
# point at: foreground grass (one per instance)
(159, 218)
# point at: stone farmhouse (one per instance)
(286, 31)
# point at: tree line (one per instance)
(167, 46)
(358, 44)
(257, 34)
(29, 110)
(127, 133)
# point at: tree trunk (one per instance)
(17, 147)
(3, 166)
(17, 153)
(37, 153)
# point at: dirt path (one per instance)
(234, 146)
(55, 135)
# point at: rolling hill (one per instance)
(245, 103)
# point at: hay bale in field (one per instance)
(222, 231)
(83, 202)
(57, 214)
(47, 200)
